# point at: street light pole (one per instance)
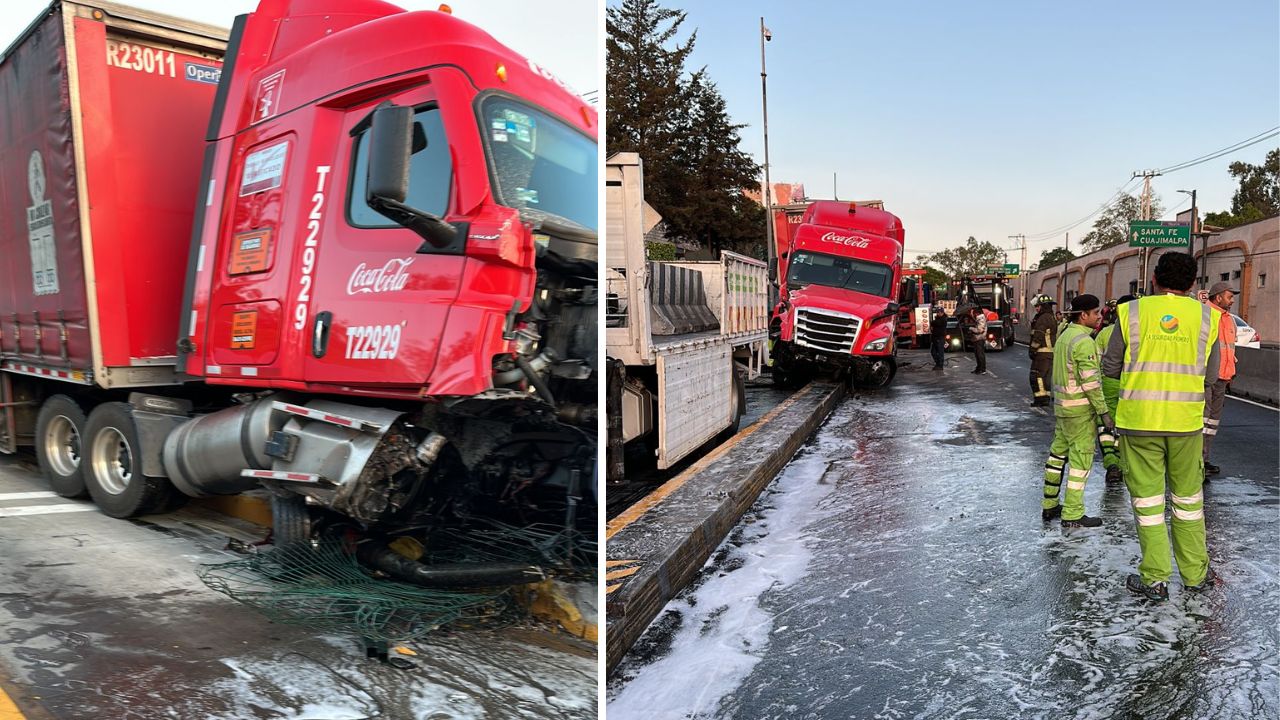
(767, 195)
(1204, 242)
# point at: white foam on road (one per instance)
(724, 629)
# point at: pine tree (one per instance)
(678, 123)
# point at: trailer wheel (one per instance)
(59, 444)
(114, 465)
(739, 407)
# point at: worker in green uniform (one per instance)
(1079, 409)
(1110, 393)
(1164, 351)
(1044, 331)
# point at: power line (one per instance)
(1224, 151)
(1124, 189)
(1119, 193)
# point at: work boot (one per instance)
(1210, 579)
(1051, 513)
(1158, 592)
(1211, 469)
(1040, 402)
(1084, 521)
(1114, 475)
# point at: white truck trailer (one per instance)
(681, 337)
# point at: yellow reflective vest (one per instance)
(1167, 339)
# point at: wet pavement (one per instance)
(898, 568)
(103, 618)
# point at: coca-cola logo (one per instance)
(389, 278)
(846, 240)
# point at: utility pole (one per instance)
(767, 196)
(1023, 277)
(1146, 176)
(835, 192)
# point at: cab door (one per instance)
(381, 294)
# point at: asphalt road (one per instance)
(103, 618)
(898, 568)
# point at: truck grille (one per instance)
(827, 330)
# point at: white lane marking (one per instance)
(1267, 407)
(46, 509)
(27, 495)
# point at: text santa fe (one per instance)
(388, 278)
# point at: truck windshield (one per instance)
(840, 272)
(540, 165)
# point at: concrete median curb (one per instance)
(658, 546)
(1257, 374)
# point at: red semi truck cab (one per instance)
(840, 271)
(302, 279)
(369, 285)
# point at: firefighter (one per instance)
(1110, 393)
(1164, 351)
(1079, 409)
(1044, 330)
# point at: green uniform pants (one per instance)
(1110, 450)
(1146, 461)
(1070, 459)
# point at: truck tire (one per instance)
(59, 440)
(113, 459)
(290, 520)
(880, 373)
(739, 403)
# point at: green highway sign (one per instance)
(1007, 269)
(1156, 233)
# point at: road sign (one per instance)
(1009, 270)
(1156, 233)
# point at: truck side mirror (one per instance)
(891, 309)
(393, 138)
(390, 143)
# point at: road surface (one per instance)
(105, 618)
(899, 568)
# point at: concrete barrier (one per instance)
(660, 544)
(1257, 375)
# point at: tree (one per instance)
(972, 258)
(1256, 197)
(1053, 256)
(677, 121)
(711, 207)
(1112, 227)
(935, 277)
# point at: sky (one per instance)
(566, 41)
(997, 118)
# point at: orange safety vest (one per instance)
(1227, 347)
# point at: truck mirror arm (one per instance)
(429, 227)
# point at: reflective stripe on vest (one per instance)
(1167, 342)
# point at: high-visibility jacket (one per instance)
(1227, 347)
(1110, 386)
(1167, 340)
(1076, 388)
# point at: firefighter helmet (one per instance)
(1043, 300)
